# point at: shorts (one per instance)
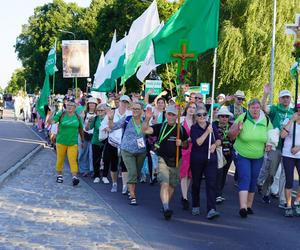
(167, 174)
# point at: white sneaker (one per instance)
(114, 188)
(105, 180)
(97, 180)
(124, 190)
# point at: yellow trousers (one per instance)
(71, 151)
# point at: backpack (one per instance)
(267, 117)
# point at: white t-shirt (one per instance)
(288, 141)
(85, 122)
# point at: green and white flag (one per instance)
(197, 22)
(113, 69)
(50, 68)
(141, 32)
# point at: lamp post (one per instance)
(74, 38)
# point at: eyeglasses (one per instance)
(136, 109)
(192, 107)
(224, 116)
(200, 98)
(202, 114)
(241, 99)
(101, 110)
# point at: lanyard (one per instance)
(138, 129)
(163, 136)
(225, 133)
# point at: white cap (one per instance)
(125, 98)
(221, 95)
(284, 93)
(239, 93)
(224, 111)
(92, 100)
(172, 109)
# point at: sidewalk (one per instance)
(38, 213)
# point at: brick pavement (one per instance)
(38, 213)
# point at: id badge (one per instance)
(140, 143)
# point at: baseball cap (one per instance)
(284, 93)
(125, 98)
(172, 109)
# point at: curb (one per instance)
(13, 170)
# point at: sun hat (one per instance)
(284, 93)
(239, 93)
(224, 111)
(92, 100)
(221, 95)
(125, 98)
(172, 109)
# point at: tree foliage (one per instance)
(244, 52)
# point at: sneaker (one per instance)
(59, 179)
(168, 214)
(124, 189)
(75, 181)
(219, 200)
(282, 205)
(243, 212)
(105, 180)
(249, 210)
(133, 202)
(97, 180)
(266, 199)
(143, 179)
(196, 211)
(212, 214)
(114, 188)
(288, 212)
(297, 210)
(185, 204)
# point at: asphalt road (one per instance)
(16, 141)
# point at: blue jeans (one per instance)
(248, 171)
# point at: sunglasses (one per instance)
(135, 109)
(202, 114)
(241, 99)
(200, 98)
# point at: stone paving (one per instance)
(38, 213)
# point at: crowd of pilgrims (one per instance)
(135, 138)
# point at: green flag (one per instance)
(50, 69)
(196, 22)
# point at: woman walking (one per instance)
(97, 145)
(200, 164)
(250, 145)
(70, 124)
(290, 160)
(185, 171)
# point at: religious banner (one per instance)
(75, 55)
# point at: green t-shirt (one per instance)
(277, 115)
(95, 124)
(251, 141)
(67, 128)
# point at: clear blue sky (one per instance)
(14, 13)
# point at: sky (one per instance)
(13, 14)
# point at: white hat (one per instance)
(239, 93)
(125, 98)
(284, 93)
(92, 100)
(172, 109)
(221, 95)
(224, 111)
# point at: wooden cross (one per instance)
(183, 56)
(294, 29)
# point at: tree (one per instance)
(17, 81)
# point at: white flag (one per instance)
(101, 65)
(142, 27)
(149, 62)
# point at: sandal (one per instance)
(133, 202)
(59, 179)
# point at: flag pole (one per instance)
(273, 53)
(169, 79)
(53, 82)
(212, 97)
